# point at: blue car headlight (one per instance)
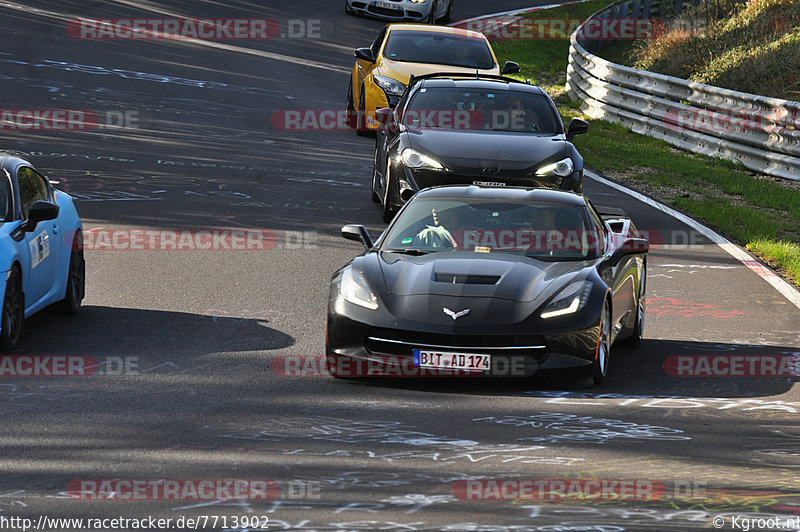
(571, 299)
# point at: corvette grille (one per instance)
(393, 342)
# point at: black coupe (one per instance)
(487, 130)
(471, 280)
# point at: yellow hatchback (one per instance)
(382, 71)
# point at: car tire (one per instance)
(361, 116)
(600, 366)
(388, 211)
(13, 314)
(638, 328)
(351, 110)
(432, 16)
(375, 197)
(448, 16)
(76, 279)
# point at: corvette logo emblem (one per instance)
(455, 315)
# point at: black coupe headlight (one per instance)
(354, 288)
(562, 168)
(570, 300)
(413, 159)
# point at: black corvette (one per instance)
(453, 129)
(471, 280)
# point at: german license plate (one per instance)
(489, 183)
(385, 5)
(446, 360)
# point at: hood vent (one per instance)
(455, 278)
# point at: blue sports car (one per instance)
(41, 248)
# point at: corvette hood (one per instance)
(497, 291)
(461, 274)
(487, 148)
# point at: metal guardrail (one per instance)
(760, 132)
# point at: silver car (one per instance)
(430, 11)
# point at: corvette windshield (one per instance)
(476, 109)
(438, 48)
(545, 231)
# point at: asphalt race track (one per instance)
(202, 331)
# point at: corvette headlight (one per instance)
(355, 289)
(561, 168)
(414, 159)
(570, 300)
(389, 85)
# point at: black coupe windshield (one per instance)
(543, 231)
(476, 109)
(438, 48)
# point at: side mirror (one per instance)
(39, 212)
(358, 233)
(364, 54)
(631, 246)
(384, 114)
(385, 117)
(510, 68)
(577, 127)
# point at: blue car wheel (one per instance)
(71, 304)
(13, 311)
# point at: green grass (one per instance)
(544, 60)
(759, 213)
(783, 253)
(745, 46)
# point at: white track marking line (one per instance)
(780, 284)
